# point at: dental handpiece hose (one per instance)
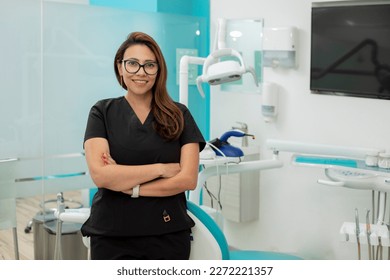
(357, 232)
(368, 230)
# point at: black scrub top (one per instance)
(133, 143)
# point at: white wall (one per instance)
(296, 214)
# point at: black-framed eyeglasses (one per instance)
(132, 67)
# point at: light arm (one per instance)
(183, 76)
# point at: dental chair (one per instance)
(208, 241)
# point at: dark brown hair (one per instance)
(168, 117)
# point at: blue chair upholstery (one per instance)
(260, 255)
(219, 237)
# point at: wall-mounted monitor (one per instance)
(350, 49)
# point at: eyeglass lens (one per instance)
(133, 67)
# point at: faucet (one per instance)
(244, 128)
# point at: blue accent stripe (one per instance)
(326, 161)
(49, 177)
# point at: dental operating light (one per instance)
(222, 65)
(216, 72)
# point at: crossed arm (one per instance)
(154, 179)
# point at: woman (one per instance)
(142, 151)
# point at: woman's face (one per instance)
(138, 82)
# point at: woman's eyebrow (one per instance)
(136, 59)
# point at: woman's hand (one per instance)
(170, 169)
(107, 173)
(107, 159)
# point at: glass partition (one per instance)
(20, 106)
(57, 61)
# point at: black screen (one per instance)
(350, 50)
